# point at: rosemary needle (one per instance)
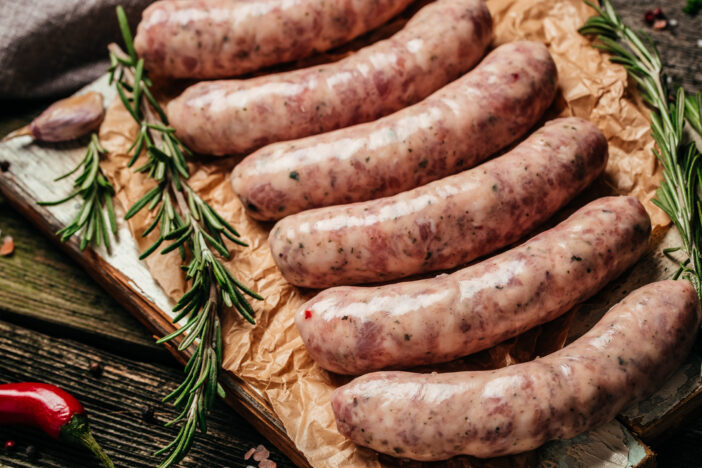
(673, 117)
(187, 223)
(692, 7)
(96, 193)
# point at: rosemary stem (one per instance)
(117, 50)
(190, 225)
(180, 200)
(679, 193)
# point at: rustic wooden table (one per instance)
(55, 322)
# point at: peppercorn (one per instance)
(95, 368)
(147, 414)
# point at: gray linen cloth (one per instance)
(51, 47)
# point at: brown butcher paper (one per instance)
(270, 356)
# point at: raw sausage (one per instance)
(221, 38)
(353, 330)
(446, 223)
(623, 358)
(452, 130)
(443, 40)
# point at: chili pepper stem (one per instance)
(77, 431)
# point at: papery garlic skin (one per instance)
(69, 118)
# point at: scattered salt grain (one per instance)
(261, 453)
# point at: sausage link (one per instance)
(221, 38)
(353, 330)
(454, 129)
(446, 223)
(441, 41)
(626, 355)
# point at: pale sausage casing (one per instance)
(452, 130)
(445, 223)
(623, 358)
(221, 38)
(354, 330)
(441, 41)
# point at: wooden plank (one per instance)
(39, 285)
(114, 401)
(607, 446)
(674, 403)
(118, 272)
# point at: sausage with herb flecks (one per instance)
(441, 41)
(446, 223)
(624, 357)
(354, 330)
(452, 130)
(221, 38)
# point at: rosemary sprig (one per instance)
(672, 118)
(692, 7)
(96, 191)
(187, 223)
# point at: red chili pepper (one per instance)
(50, 409)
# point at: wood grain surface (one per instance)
(27, 178)
(49, 299)
(115, 401)
(39, 288)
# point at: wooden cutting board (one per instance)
(29, 178)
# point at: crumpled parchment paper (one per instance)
(270, 356)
